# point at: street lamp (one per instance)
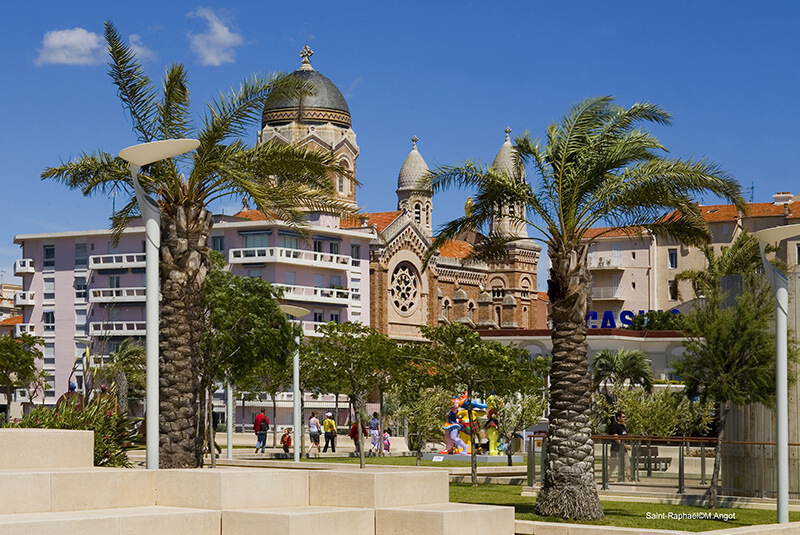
(780, 285)
(137, 156)
(297, 312)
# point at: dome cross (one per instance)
(306, 54)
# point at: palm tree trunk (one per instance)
(183, 267)
(568, 489)
(713, 489)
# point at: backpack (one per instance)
(263, 427)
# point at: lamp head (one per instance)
(146, 153)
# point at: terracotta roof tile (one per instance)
(455, 249)
(380, 219)
(543, 296)
(252, 215)
(13, 320)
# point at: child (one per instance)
(286, 440)
(386, 443)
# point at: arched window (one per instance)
(341, 184)
(404, 289)
(428, 214)
(471, 311)
(417, 213)
(446, 309)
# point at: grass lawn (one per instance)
(620, 514)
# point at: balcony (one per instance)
(23, 328)
(605, 263)
(330, 296)
(310, 327)
(23, 266)
(117, 261)
(300, 257)
(117, 295)
(607, 293)
(118, 328)
(24, 299)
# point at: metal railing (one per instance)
(255, 255)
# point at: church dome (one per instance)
(413, 171)
(326, 105)
(504, 161)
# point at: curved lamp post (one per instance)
(137, 156)
(297, 312)
(780, 285)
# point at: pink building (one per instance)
(84, 295)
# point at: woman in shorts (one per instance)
(314, 430)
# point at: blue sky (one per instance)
(453, 74)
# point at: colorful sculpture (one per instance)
(493, 402)
(456, 430)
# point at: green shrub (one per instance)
(113, 432)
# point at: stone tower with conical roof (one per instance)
(414, 194)
(511, 221)
(321, 120)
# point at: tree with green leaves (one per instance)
(422, 408)
(270, 376)
(730, 353)
(18, 358)
(283, 180)
(244, 328)
(597, 167)
(656, 320)
(350, 357)
(459, 360)
(623, 368)
(518, 412)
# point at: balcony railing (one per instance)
(318, 295)
(310, 327)
(23, 266)
(605, 263)
(23, 328)
(117, 295)
(22, 299)
(259, 255)
(606, 292)
(117, 261)
(117, 328)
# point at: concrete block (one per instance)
(34, 448)
(174, 521)
(362, 488)
(65, 522)
(444, 519)
(300, 521)
(24, 492)
(232, 489)
(102, 488)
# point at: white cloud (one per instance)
(71, 47)
(142, 52)
(215, 46)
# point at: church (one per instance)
(405, 292)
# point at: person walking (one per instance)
(374, 432)
(354, 434)
(260, 428)
(286, 439)
(329, 426)
(314, 429)
(618, 428)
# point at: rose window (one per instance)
(404, 288)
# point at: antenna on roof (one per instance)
(751, 189)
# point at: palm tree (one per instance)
(621, 366)
(223, 165)
(597, 166)
(126, 368)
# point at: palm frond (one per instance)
(134, 88)
(91, 173)
(173, 120)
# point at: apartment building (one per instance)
(84, 295)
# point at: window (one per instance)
(49, 355)
(633, 285)
(318, 246)
(673, 290)
(334, 247)
(336, 281)
(289, 242)
(319, 316)
(319, 280)
(254, 273)
(49, 288)
(725, 229)
(80, 321)
(218, 243)
(49, 257)
(49, 320)
(616, 254)
(355, 254)
(81, 256)
(335, 317)
(80, 288)
(341, 184)
(114, 281)
(256, 240)
(633, 255)
(672, 259)
(290, 278)
(417, 213)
